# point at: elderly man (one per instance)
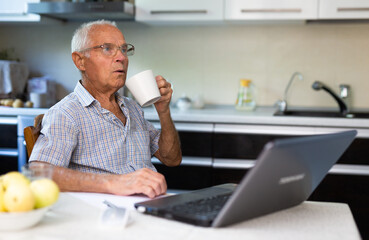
(97, 140)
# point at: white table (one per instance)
(76, 216)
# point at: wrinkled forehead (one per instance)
(100, 34)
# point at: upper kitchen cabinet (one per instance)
(15, 11)
(271, 9)
(344, 9)
(177, 11)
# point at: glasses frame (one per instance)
(102, 46)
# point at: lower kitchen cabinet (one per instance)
(8, 145)
(235, 148)
(224, 175)
(186, 177)
(7, 164)
(350, 189)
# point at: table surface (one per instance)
(77, 216)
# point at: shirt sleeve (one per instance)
(154, 137)
(57, 140)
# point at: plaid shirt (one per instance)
(79, 134)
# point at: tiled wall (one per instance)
(210, 60)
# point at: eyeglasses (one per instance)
(110, 49)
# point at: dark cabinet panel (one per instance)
(241, 146)
(8, 137)
(196, 143)
(357, 153)
(8, 164)
(186, 177)
(350, 189)
(221, 176)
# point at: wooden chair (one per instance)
(31, 133)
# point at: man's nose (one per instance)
(120, 57)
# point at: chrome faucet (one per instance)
(282, 104)
(345, 94)
(343, 107)
(344, 91)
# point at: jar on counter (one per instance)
(246, 96)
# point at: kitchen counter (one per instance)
(261, 116)
(9, 111)
(225, 114)
(76, 216)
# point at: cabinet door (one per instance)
(15, 11)
(271, 9)
(350, 189)
(238, 146)
(179, 10)
(343, 9)
(195, 170)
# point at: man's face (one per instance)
(105, 73)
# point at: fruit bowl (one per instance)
(11, 221)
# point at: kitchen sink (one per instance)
(314, 113)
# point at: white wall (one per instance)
(210, 60)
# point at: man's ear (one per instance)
(79, 60)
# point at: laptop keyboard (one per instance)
(206, 208)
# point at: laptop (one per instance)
(285, 174)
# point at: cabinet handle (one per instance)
(350, 169)
(272, 10)
(190, 161)
(344, 169)
(233, 163)
(153, 12)
(353, 9)
(10, 152)
(256, 129)
(8, 120)
(189, 127)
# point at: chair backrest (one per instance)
(31, 133)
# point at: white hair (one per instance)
(81, 39)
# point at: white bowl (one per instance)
(21, 220)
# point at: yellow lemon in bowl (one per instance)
(46, 192)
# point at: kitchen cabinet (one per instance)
(344, 9)
(160, 11)
(235, 148)
(271, 10)
(350, 189)
(8, 144)
(15, 11)
(195, 170)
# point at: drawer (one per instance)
(8, 137)
(196, 138)
(241, 146)
(186, 177)
(357, 153)
(196, 143)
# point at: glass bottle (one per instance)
(246, 96)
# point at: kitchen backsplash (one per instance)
(210, 60)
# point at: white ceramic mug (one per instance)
(144, 88)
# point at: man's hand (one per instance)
(166, 92)
(143, 181)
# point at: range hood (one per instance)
(84, 11)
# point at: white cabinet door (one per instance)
(15, 11)
(343, 9)
(271, 9)
(179, 10)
